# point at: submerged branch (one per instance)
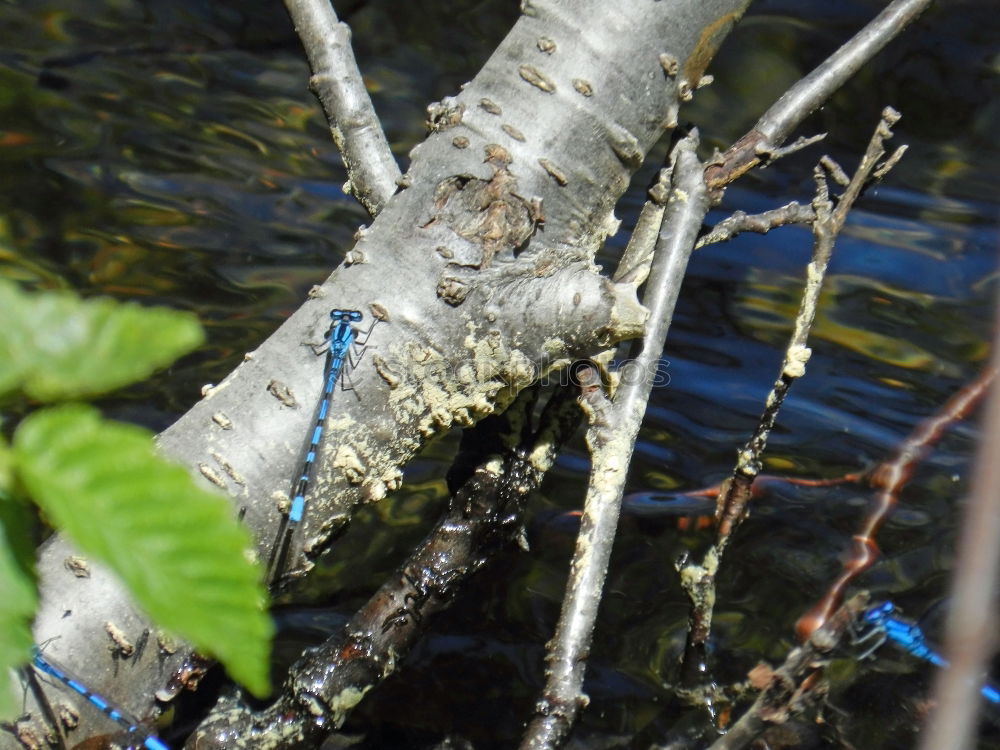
(890, 477)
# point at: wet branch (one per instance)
(336, 81)
(506, 459)
(764, 139)
(611, 437)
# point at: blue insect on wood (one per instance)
(882, 624)
(340, 340)
(132, 726)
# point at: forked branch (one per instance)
(698, 579)
(763, 141)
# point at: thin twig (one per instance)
(634, 265)
(484, 517)
(971, 628)
(732, 505)
(803, 142)
(762, 223)
(698, 578)
(336, 81)
(611, 438)
(805, 96)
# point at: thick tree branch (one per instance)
(336, 81)
(479, 295)
(482, 269)
(484, 517)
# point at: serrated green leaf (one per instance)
(18, 597)
(176, 546)
(55, 345)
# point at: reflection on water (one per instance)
(170, 152)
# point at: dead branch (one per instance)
(611, 437)
(698, 579)
(762, 223)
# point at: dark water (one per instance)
(169, 152)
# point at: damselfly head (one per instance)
(878, 612)
(345, 316)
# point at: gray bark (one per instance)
(611, 438)
(482, 270)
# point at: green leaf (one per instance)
(54, 345)
(176, 546)
(18, 598)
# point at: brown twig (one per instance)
(890, 477)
